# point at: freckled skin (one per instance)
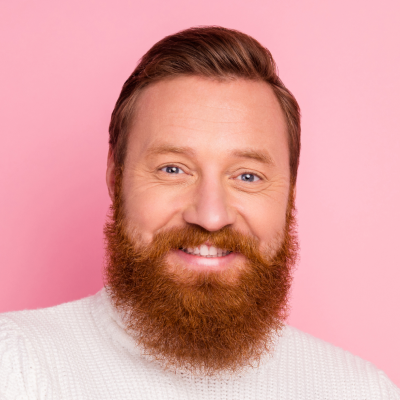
(212, 120)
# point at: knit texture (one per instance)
(80, 350)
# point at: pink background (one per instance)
(62, 67)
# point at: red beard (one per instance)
(208, 322)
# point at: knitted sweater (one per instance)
(80, 350)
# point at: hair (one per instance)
(209, 51)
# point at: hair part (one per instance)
(210, 51)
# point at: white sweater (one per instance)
(79, 351)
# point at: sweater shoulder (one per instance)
(33, 343)
(60, 312)
(335, 367)
(52, 327)
(19, 364)
(52, 322)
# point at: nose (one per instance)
(209, 207)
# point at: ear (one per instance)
(110, 173)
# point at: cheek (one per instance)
(265, 218)
(149, 209)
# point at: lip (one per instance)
(203, 264)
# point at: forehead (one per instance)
(199, 112)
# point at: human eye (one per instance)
(172, 169)
(248, 177)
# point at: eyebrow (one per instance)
(167, 148)
(262, 157)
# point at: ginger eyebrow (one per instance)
(262, 157)
(166, 148)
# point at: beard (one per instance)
(204, 322)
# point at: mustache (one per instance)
(226, 238)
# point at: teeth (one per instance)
(203, 250)
(212, 251)
(206, 251)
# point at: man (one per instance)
(201, 243)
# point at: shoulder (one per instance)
(331, 368)
(60, 313)
(53, 324)
(30, 338)
(15, 361)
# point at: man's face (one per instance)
(207, 153)
(202, 237)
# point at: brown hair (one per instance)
(209, 51)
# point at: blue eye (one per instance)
(170, 169)
(249, 177)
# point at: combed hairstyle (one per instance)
(209, 51)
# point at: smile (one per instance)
(205, 258)
(206, 251)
